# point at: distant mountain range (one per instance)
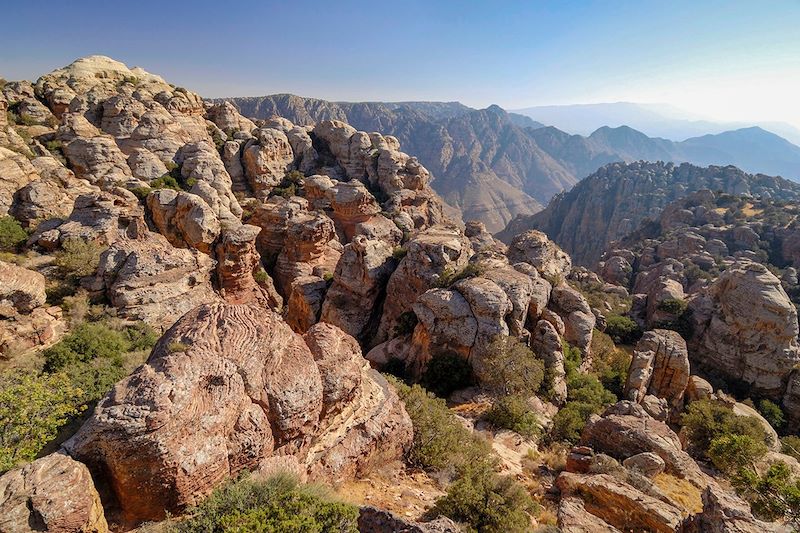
(655, 120)
(494, 165)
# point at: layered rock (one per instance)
(619, 504)
(54, 494)
(353, 300)
(185, 219)
(660, 367)
(146, 278)
(747, 330)
(239, 273)
(231, 408)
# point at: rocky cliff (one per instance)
(613, 201)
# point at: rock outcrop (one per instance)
(229, 388)
(660, 367)
(614, 201)
(54, 494)
(747, 330)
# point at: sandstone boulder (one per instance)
(619, 504)
(352, 302)
(54, 493)
(228, 388)
(747, 330)
(429, 254)
(660, 366)
(625, 430)
(185, 219)
(535, 248)
(21, 290)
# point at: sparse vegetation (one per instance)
(707, 420)
(399, 252)
(279, 503)
(32, 409)
(449, 276)
(674, 306)
(78, 258)
(12, 235)
(622, 330)
(261, 276)
(290, 185)
(585, 396)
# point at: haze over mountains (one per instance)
(655, 120)
(494, 165)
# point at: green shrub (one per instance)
(399, 252)
(290, 185)
(673, 306)
(772, 496)
(586, 396)
(622, 330)
(730, 453)
(12, 235)
(406, 323)
(772, 413)
(610, 363)
(446, 373)
(261, 276)
(96, 340)
(166, 182)
(573, 359)
(141, 192)
(78, 258)
(32, 409)
(510, 367)
(91, 340)
(280, 503)
(449, 276)
(487, 502)
(586, 388)
(175, 347)
(570, 420)
(512, 412)
(790, 445)
(706, 420)
(440, 441)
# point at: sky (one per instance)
(721, 60)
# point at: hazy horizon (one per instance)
(722, 61)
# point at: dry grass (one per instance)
(685, 495)
(554, 457)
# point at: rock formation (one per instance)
(54, 494)
(230, 408)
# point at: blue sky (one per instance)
(725, 60)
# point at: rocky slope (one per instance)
(720, 254)
(613, 201)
